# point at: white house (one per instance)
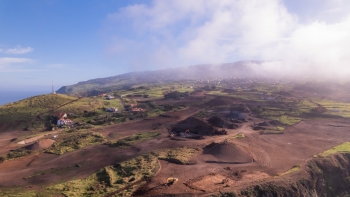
(65, 121)
(109, 97)
(112, 109)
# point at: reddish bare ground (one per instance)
(272, 154)
(225, 153)
(41, 144)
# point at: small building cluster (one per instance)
(112, 109)
(64, 122)
(109, 97)
(136, 109)
(62, 119)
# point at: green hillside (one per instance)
(35, 113)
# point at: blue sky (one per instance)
(71, 41)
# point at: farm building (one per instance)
(138, 109)
(109, 97)
(64, 121)
(112, 109)
(60, 115)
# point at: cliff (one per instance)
(324, 177)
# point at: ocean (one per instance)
(12, 96)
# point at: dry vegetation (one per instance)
(72, 141)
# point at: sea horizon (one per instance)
(8, 96)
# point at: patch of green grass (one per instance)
(293, 169)
(288, 120)
(74, 141)
(23, 113)
(342, 148)
(111, 178)
(178, 155)
(276, 130)
(239, 135)
(341, 108)
(133, 139)
(305, 106)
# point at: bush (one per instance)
(176, 95)
(18, 153)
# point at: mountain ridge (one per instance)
(194, 72)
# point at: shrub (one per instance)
(18, 153)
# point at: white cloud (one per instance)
(4, 61)
(19, 50)
(10, 64)
(182, 32)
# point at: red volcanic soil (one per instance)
(226, 153)
(147, 124)
(266, 157)
(220, 101)
(245, 161)
(40, 145)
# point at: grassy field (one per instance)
(342, 148)
(335, 107)
(152, 92)
(24, 114)
(67, 142)
(288, 120)
(179, 155)
(275, 130)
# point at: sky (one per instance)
(64, 42)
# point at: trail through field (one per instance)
(33, 139)
(122, 101)
(55, 108)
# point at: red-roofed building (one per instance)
(138, 109)
(65, 121)
(60, 115)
